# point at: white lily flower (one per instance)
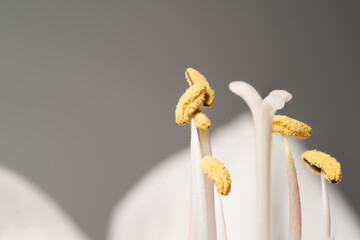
(157, 207)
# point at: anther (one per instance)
(290, 127)
(191, 103)
(317, 161)
(218, 173)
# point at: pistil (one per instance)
(262, 111)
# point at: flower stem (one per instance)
(294, 195)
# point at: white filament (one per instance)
(221, 233)
(215, 209)
(199, 226)
(326, 224)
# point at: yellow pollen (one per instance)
(199, 93)
(218, 173)
(194, 77)
(189, 103)
(317, 161)
(201, 120)
(290, 127)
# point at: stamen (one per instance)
(317, 161)
(218, 173)
(190, 109)
(290, 127)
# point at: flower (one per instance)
(150, 212)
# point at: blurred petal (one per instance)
(28, 214)
(150, 212)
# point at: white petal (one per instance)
(28, 214)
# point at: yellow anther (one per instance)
(194, 77)
(317, 161)
(201, 120)
(189, 103)
(199, 93)
(218, 173)
(290, 127)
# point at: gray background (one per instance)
(88, 89)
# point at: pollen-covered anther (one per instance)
(194, 77)
(290, 127)
(317, 161)
(201, 120)
(218, 173)
(189, 103)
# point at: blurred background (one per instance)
(88, 89)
